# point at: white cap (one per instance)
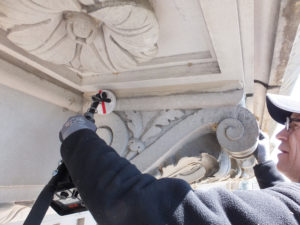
(280, 106)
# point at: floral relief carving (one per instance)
(147, 127)
(162, 120)
(182, 143)
(192, 169)
(87, 36)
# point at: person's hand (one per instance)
(74, 124)
(262, 152)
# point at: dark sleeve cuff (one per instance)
(267, 174)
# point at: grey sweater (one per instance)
(117, 193)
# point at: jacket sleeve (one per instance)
(117, 193)
(267, 174)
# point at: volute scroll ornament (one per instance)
(185, 143)
(238, 135)
(113, 131)
(87, 36)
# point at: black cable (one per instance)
(44, 199)
(267, 86)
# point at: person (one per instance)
(117, 193)
(286, 111)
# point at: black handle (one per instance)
(97, 99)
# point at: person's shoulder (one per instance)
(287, 185)
(287, 189)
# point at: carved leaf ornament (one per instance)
(164, 119)
(86, 35)
(192, 169)
(166, 143)
(143, 136)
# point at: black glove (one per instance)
(74, 124)
(262, 152)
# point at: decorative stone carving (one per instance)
(224, 171)
(113, 131)
(12, 212)
(231, 169)
(87, 36)
(146, 128)
(192, 169)
(184, 143)
(238, 135)
(132, 132)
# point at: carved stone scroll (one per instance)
(113, 131)
(238, 135)
(87, 36)
(188, 144)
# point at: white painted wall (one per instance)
(29, 141)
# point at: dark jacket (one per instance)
(117, 193)
(267, 175)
